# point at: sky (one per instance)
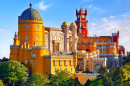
(104, 18)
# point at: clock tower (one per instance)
(81, 22)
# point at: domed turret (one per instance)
(30, 14)
(65, 23)
(73, 24)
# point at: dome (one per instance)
(30, 14)
(73, 24)
(65, 23)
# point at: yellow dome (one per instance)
(65, 23)
(73, 24)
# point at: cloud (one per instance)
(97, 9)
(2, 31)
(112, 17)
(41, 5)
(90, 6)
(104, 20)
(107, 26)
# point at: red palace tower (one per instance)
(81, 22)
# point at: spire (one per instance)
(30, 5)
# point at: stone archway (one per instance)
(96, 68)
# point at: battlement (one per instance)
(30, 21)
(14, 46)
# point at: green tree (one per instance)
(13, 72)
(60, 78)
(37, 80)
(1, 83)
(88, 82)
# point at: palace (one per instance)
(45, 49)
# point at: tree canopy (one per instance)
(37, 80)
(13, 72)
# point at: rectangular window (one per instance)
(66, 63)
(25, 61)
(34, 56)
(19, 26)
(60, 69)
(109, 41)
(26, 36)
(54, 69)
(91, 41)
(70, 69)
(78, 45)
(102, 41)
(19, 36)
(71, 63)
(85, 41)
(14, 53)
(97, 41)
(31, 53)
(37, 26)
(34, 63)
(26, 26)
(66, 69)
(83, 45)
(113, 50)
(55, 63)
(60, 63)
(79, 41)
(30, 61)
(37, 37)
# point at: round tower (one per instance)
(30, 27)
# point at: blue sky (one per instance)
(104, 17)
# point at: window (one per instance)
(17, 54)
(51, 38)
(26, 42)
(37, 26)
(37, 37)
(85, 41)
(26, 36)
(34, 63)
(70, 69)
(37, 43)
(71, 63)
(54, 69)
(33, 55)
(55, 63)
(19, 36)
(79, 41)
(83, 45)
(79, 36)
(19, 26)
(102, 41)
(109, 41)
(78, 45)
(55, 37)
(60, 69)
(59, 38)
(14, 53)
(60, 63)
(97, 41)
(26, 26)
(25, 61)
(91, 40)
(66, 69)
(30, 61)
(66, 63)
(113, 50)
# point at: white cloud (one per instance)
(93, 24)
(112, 17)
(105, 20)
(90, 6)
(107, 26)
(2, 31)
(42, 5)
